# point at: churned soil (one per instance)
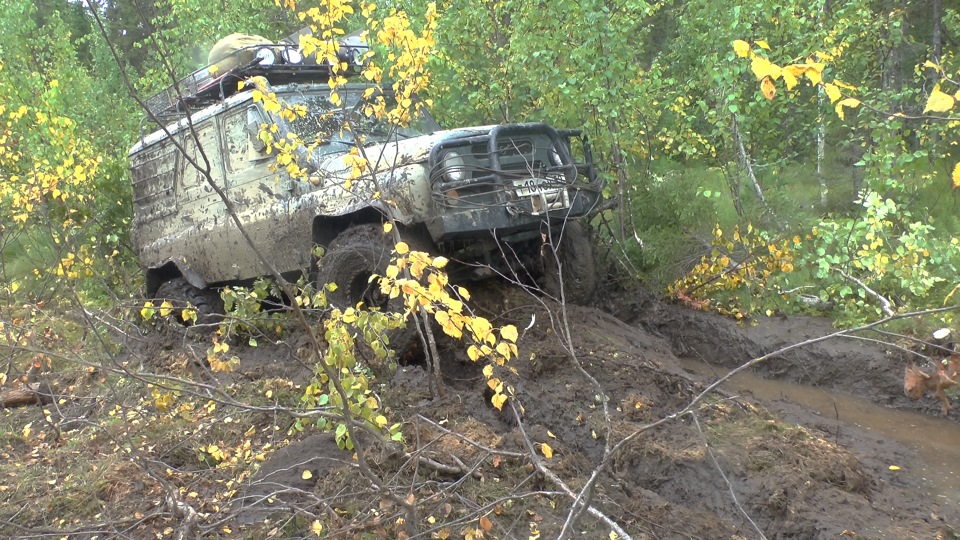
(734, 466)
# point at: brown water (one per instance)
(936, 440)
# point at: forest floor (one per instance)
(796, 472)
(736, 465)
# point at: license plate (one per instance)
(535, 186)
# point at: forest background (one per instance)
(690, 147)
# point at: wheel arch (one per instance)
(326, 228)
(157, 275)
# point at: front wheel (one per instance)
(350, 261)
(569, 268)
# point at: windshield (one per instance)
(327, 124)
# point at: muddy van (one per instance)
(493, 199)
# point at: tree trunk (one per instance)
(821, 148)
(936, 51)
(745, 162)
(936, 40)
(821, 124)
(620, 167)
(33, 394)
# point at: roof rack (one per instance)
(279, 63)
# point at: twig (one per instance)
(888, 344)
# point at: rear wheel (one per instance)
(206, 302)
(568, 264)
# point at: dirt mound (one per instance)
(727, 469)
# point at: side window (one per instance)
(242, 151)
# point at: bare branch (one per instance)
(885, 304)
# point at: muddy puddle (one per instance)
(935, 440)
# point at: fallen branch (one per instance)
(31, 394)
(885, 304)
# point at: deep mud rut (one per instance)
(738, 466)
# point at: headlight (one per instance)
(454, 167)
(291, 56)
(266, 57)
(555, 157)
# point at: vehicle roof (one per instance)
(210, 111)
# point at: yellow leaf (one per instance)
(768, 88)
(797, 70)
(147, 310)
(547, 451)
(387, 227)
(762, 44)
(955, 176)
(814, 72)
(488, 371)
(789, 78)
(402, 248)
(189, 315)
(842, 84)
(551, 435)
(894, 468)
(316, 528)
(498, 400)
(440, 262)
(306, 475)
(509, 333)
(832, 92)
(741, 47)
(764, 68)
(165, 308)
(473, 352)
(939, 101)
(849, 102)
(240, 85)
(481, 327)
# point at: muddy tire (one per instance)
(350, 260)
(206, 302)
(356, 254)
(573, 251)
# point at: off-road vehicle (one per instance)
(492, 199)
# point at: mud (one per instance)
(749, 462)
